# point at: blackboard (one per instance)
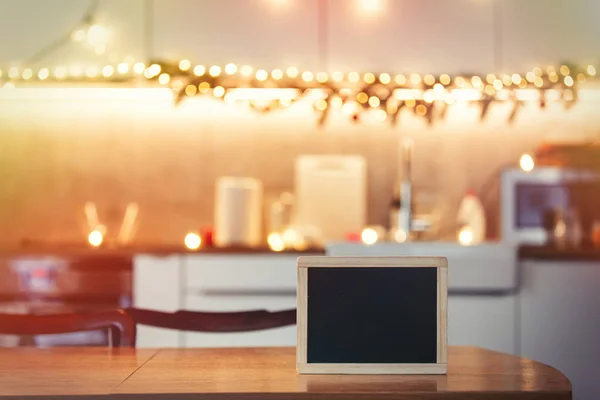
(372, 314)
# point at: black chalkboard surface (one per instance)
(372, 314)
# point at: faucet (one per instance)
(405, 213)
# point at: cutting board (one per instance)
(331, 194)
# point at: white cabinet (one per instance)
(240, 283)
(425, 36)
(483, 321)
(157, 286)
(560, 320)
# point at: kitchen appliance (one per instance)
(238, 212)
(528, 198)
(330, 194)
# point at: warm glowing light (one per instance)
(97, 36)
(219, 91)
(43, 73)
(516, 79)
(445, 79)
(322, 77)
(506, 80)
(203, 87)
(95, 238)
(569, 81)
(231, 69)
(107, 71)
(337, 76)
(498, 84)
(530, 76)
(564, 70)
(185, 65)
(78, 35)
(13, 73)
(76, 71)
(372, 6)
(490, 90)
(307, 76)
(321, 104)
(550, 70)
(581, 77)
(163, 79)
(192, 241)
(123, 68)
(400, 79)
(369, 78)
(91, 72)
(353, 77)
(27, 73)
(538, 82)
(275, 242)
(374, 101)
(246, 70)
(214, 71)
(415, 79)
(154, 70)
(277, 74)
(538, 71)
(60, 72)
(552, 95)
(385, 78)
(460, 82)
(429, 80)
(337, 102)
(369, 236)
(490, 78)
(410, 103)
(591, 70)
(429, 96)
(362, 97)
(199, 70)
(381, 115)
(400, 236)
(526, 163)
(261, 75)
(349, 108)
(476, 82)
(190, 90)
(439, 89)
(292, 72)
(465, 236)
(139, 68)
(421, 110)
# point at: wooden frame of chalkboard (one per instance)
(372, 315)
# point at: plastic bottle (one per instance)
(471, 219)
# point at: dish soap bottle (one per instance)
(471, 219)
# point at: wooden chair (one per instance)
(198, 321)
(119, 324)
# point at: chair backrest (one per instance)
(119, 324)
(199, 321)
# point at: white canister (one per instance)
(238, 212)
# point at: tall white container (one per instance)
(238, 212)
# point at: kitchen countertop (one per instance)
(552, 254)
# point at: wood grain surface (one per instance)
(261, 373)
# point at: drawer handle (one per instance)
(248, 292)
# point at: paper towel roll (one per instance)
(238, 212)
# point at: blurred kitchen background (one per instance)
(181, 154)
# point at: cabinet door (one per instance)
(483, 321)
(560, 320)
(264, 34)
(157, 286)
(548, 32)
(432, 36)
(239, 283)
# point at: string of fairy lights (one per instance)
(383, 94)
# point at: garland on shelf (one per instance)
(383, 94)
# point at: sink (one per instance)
(478, 269)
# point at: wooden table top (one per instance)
(260, 373)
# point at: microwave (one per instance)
(526, 197)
